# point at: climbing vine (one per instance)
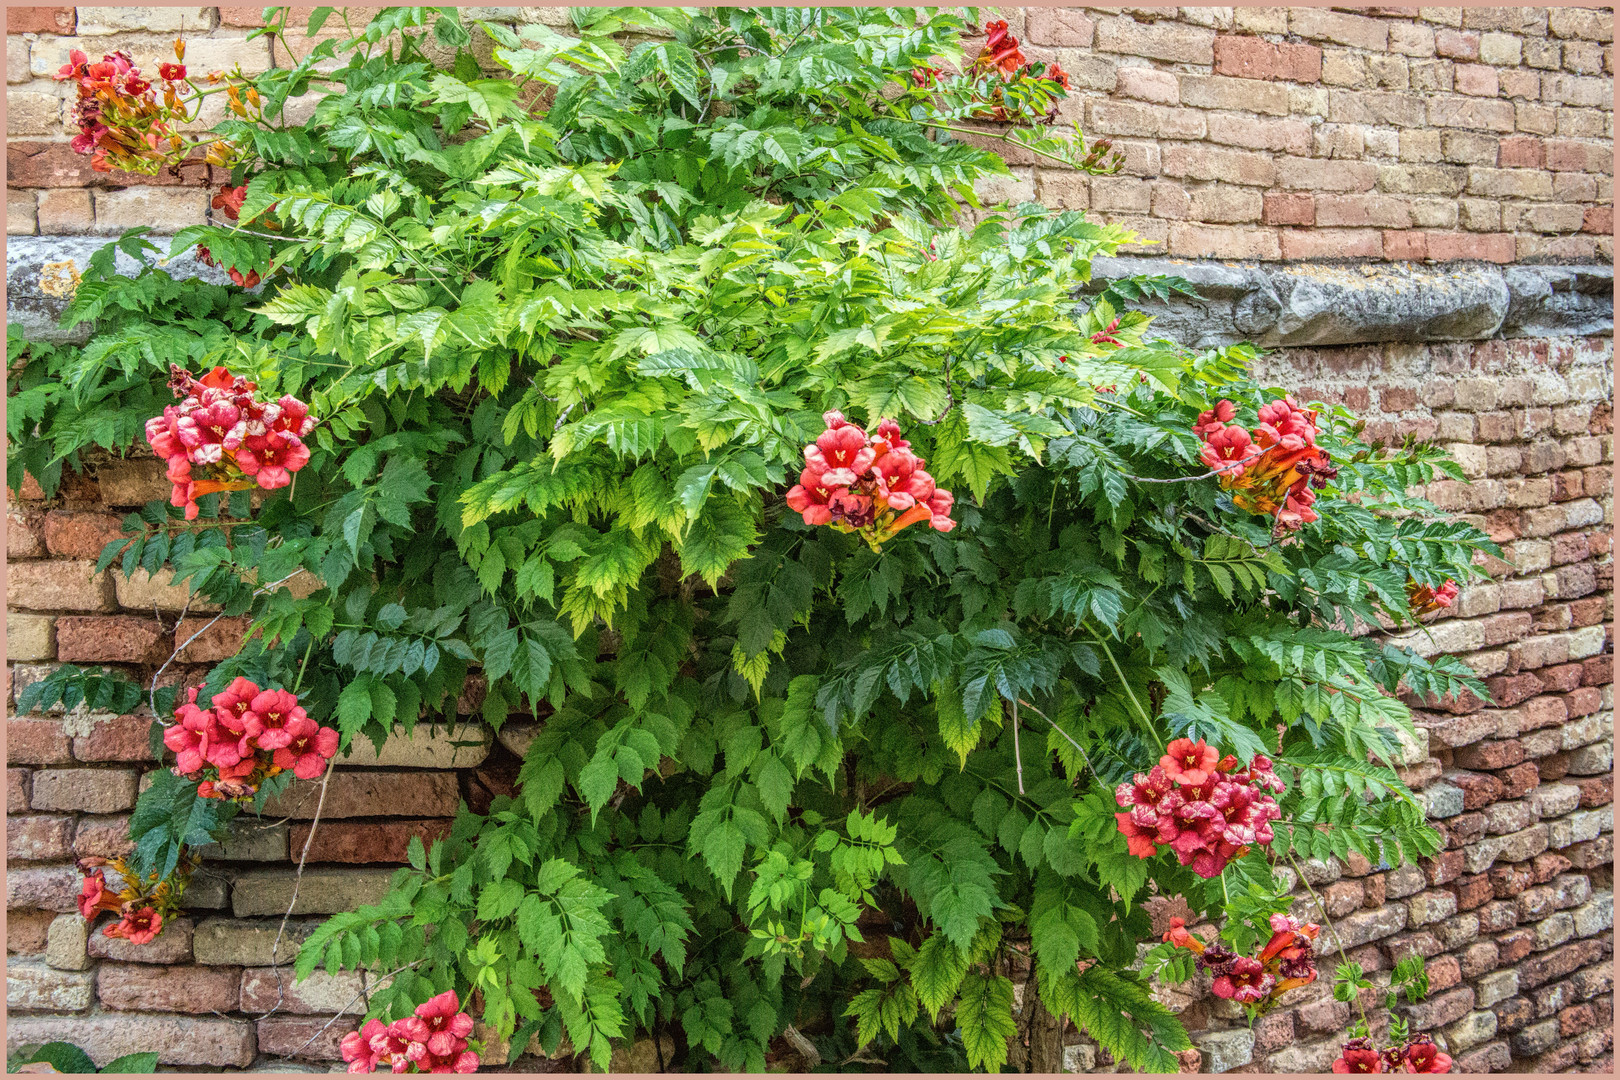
(895, 625)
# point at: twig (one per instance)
(151, 694)
(346, 1005)
(298, 879)
(1337, 940)
(1072, 741)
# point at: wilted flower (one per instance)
(1425, 599)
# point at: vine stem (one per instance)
(1337, 940)
(1072, 741)
(151, 693)
(1018, 755)
(1147, 722)
(298, 879)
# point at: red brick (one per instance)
(1498, 754)
(367, 843)
(1584, 701)
(48, 888)
(157, 988)
(247, 16)
(1324, 1015)
(1561, 678)
(1052, 26)
(1600, 220)
(39, 837)
(16, 791)
(284, 1036)
(1331, 243)
(1515, 945)
(55, 165)
(1456, 44)
(26, 930)
(81, 535)
(1595, 790)
(1587, 612)
(129, 639)
(218, 642)
(1444, 972)
(36, 742)
(1405, 244)
(1253, 58)
(1576, 1019)
(1511, 880)
(1479, 789)
(1480, 247)
(1472, 891)
(40, 20)
(1443, 867)
(1509, 690)
(371, 794)
(1520, 152)
(122, 738)
(1556, 963)
(1519, 780)
(1598, 671)
(102, 835)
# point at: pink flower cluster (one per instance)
(873, 486)
(434, 1040)
(1418, 1055)
(1287, 961)
(222, 438)
(245, 735)
(1202, 806)
(1273, 469)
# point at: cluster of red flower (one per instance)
(875, 487)
(245, 735)
(122, 124)
(1272, 470)
(1210, 815)
(142, 905)
(434, 1040)
(1000, 55)
(1287, 961)
(1426, 599)
(235, 439)
(1418, 1055)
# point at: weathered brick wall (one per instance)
(1265, 133)
(1404, 133)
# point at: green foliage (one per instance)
(567, 335)
(68, 1058)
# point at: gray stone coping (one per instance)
(1269, 304)
(1311, 304)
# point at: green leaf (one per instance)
(985, 1017)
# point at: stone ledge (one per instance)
(1270, 304)
(1313, 304)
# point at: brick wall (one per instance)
(1264, 133)
(1398, 132)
